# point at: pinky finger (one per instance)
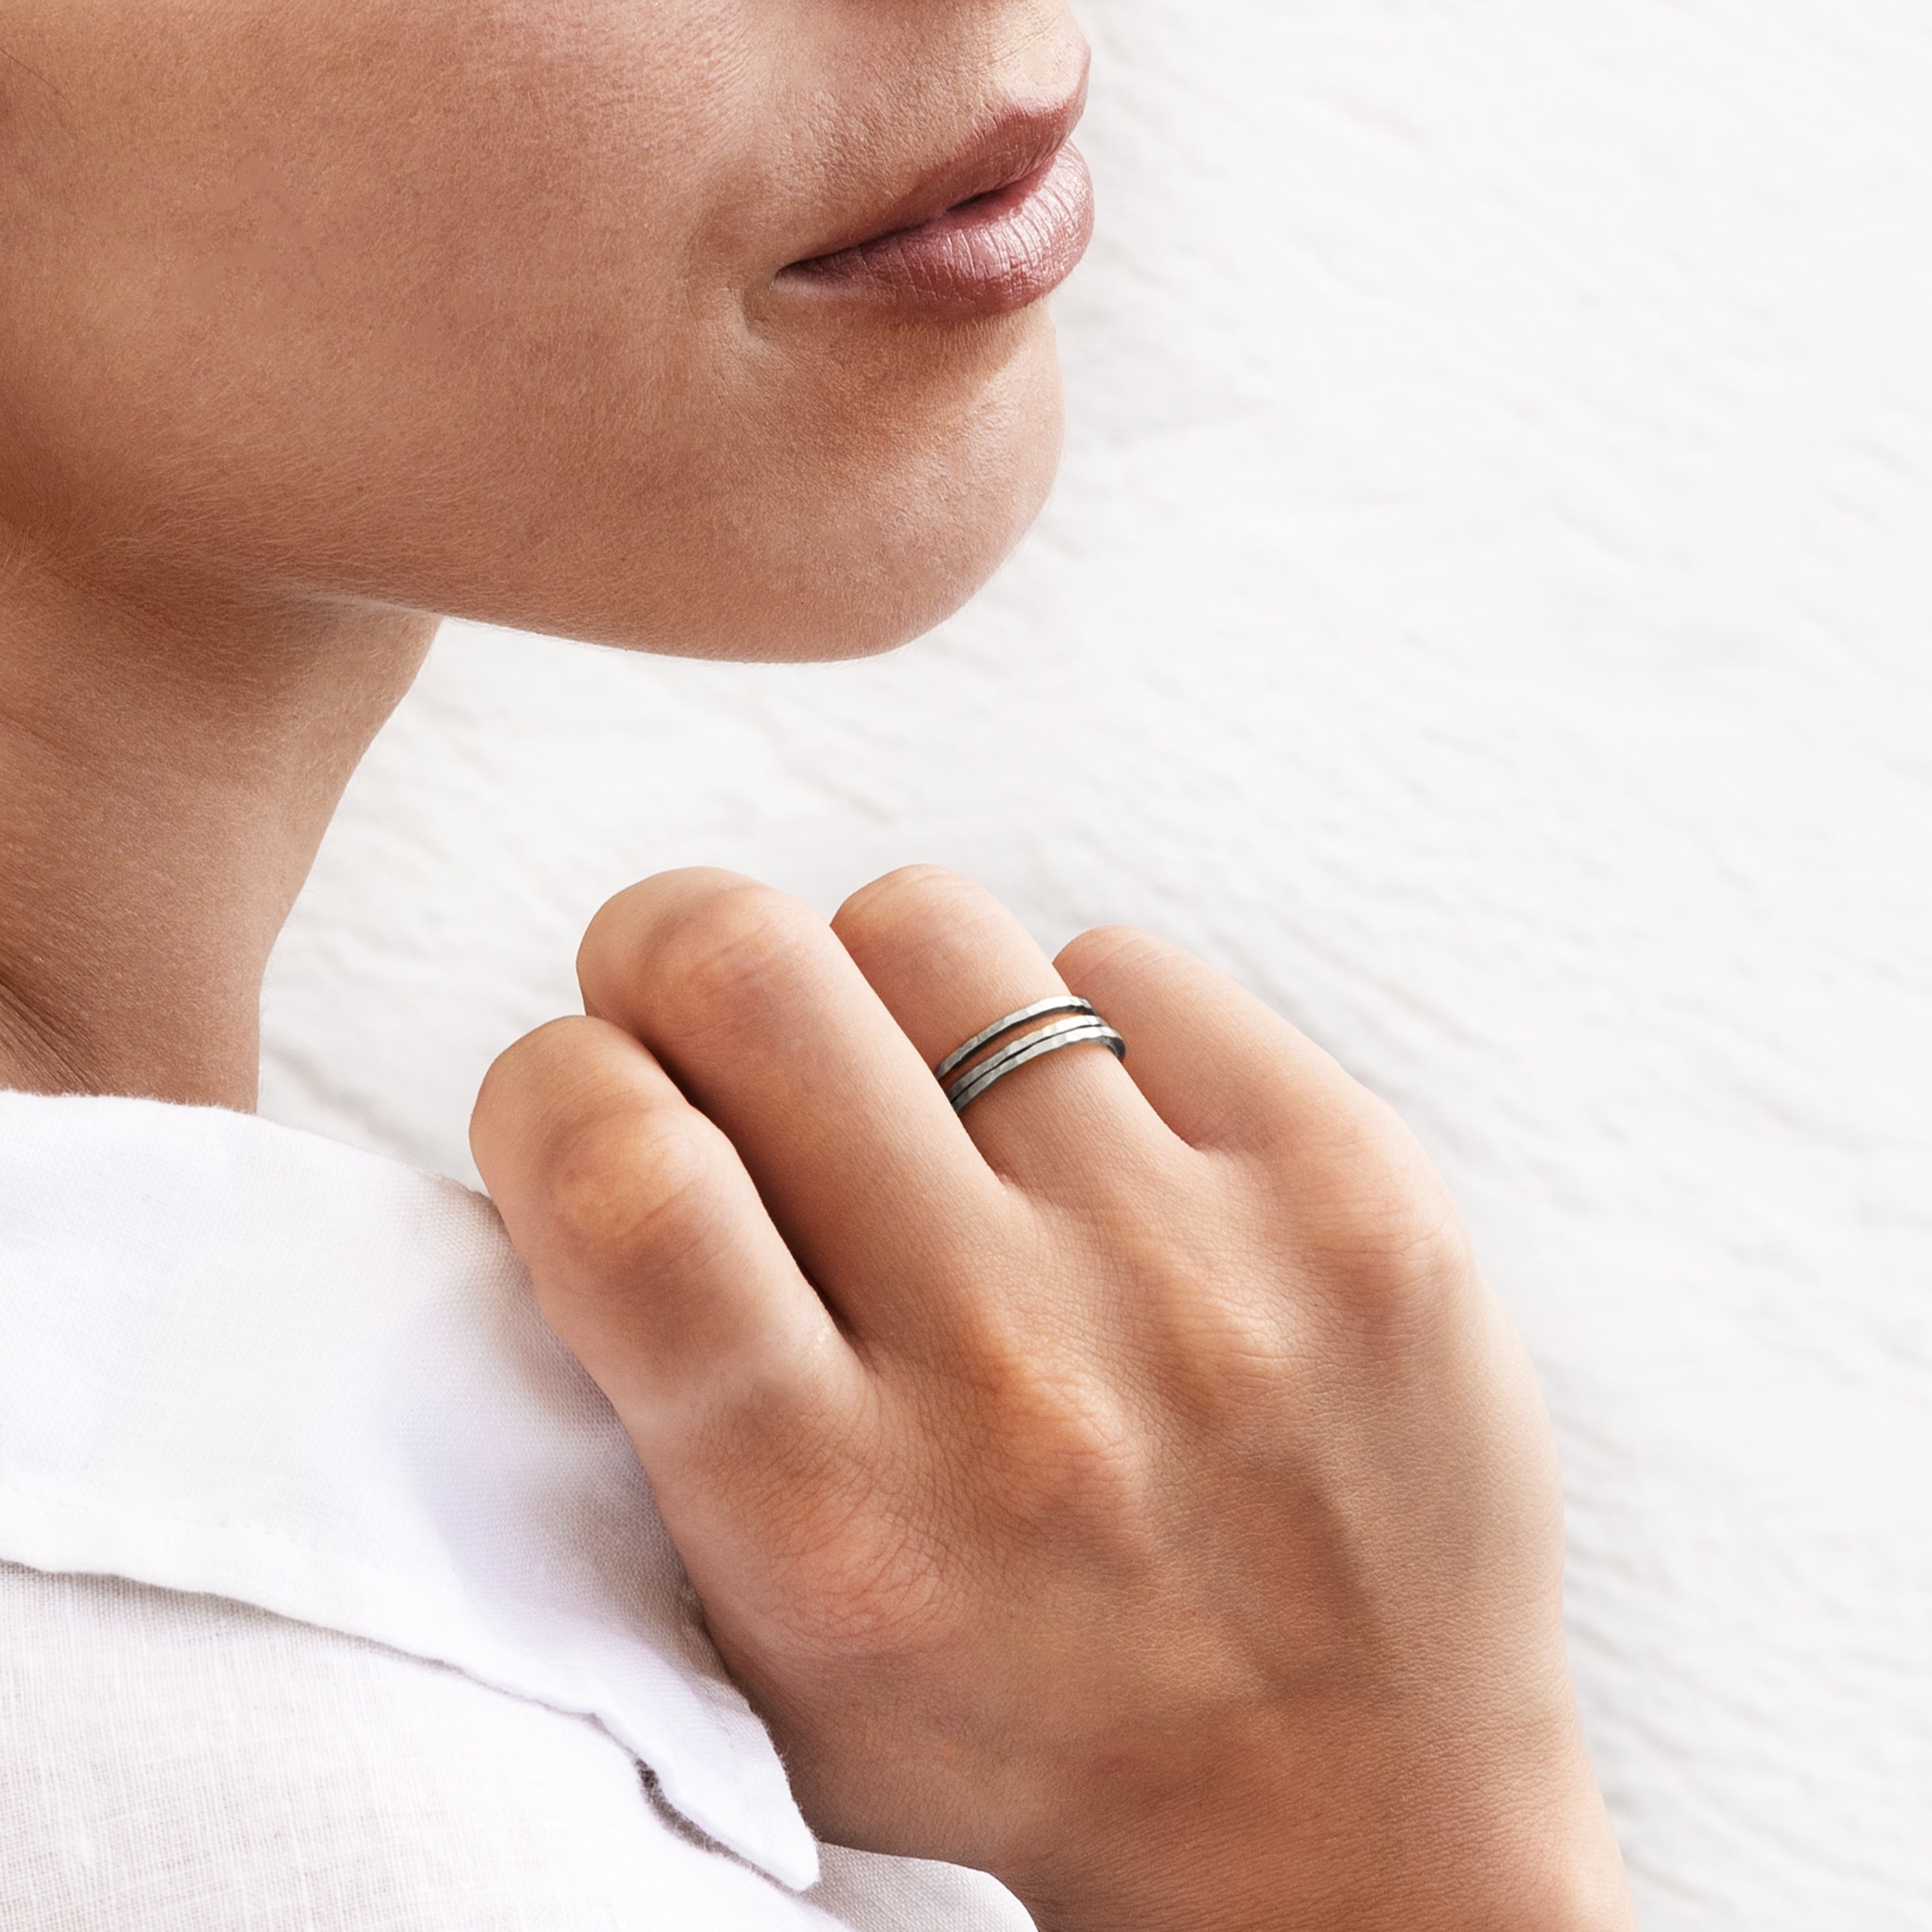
(1221, 1069)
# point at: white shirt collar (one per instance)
(238, 1360)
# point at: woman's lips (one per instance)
(988, 255)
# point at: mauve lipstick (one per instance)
(995, 230)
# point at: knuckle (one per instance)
(903, 911)
(717, 958)
(1109, 955)
(625, 1187)
(1087, 1454)
(1071, 1443)
(527, 1069)
(528, 1086)
(1385, 1230)
(887, 895)
(1226, 1343)
(1222, 1335)
(623, 923)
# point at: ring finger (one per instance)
(949, 960)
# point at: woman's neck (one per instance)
(167, 773)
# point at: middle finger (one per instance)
(760, 1016)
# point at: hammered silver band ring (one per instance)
(1073, 1022)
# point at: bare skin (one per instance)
(1134, 1491)
(165, 779)
(1131, 1489)
(320, 318)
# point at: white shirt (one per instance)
(331, 1595)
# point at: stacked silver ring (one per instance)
(1074, 1023)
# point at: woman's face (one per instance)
(520, 309)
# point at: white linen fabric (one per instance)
(331, 1595)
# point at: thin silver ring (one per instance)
(1080, 1030)
(1060, 1003)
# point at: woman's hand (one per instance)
(1129, 1486)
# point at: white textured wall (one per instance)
(1485, 610)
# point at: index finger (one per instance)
(757, 1012)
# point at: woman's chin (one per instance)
(876, 550)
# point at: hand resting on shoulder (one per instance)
(1128, 1486)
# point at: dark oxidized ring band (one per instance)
(1077, 1025)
